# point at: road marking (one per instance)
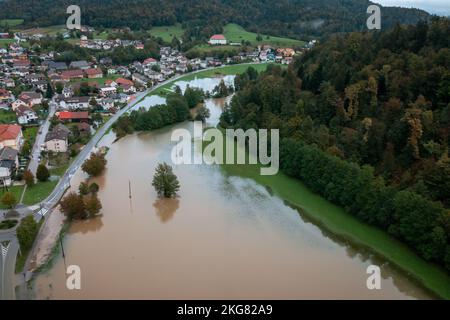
(5, 249)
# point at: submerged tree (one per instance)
(203, 113)
(165, 181)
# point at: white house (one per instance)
(74, 103)
(26, 115)
(217, 39)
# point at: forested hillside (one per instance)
(292, 18)
(365, 120)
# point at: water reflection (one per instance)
(165, 208)
(86, 226)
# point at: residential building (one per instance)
(217, 39)
(26, 115)
(74, 103)
(11, 136)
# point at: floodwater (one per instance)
(224, 237)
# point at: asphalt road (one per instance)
(40, 139)
(9, 246)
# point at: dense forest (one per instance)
(365, 122)
(292, 18)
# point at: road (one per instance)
(9, 246)
(40, 139)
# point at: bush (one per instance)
(26, 232)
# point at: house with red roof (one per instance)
(93, 73)
(11, 136)
(121, 81)
(217, 39)
(67, 116)
(68, 75)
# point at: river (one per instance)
(224, 237)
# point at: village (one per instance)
(77, 97)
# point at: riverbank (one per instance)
(334, 219)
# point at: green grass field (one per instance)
(235, 33)
(50, 30)
(39, 192)
(11, 22)
(100, 81)
(7, 117)
(15, 190)
(337, 221)
(167, 33)
(5, 42)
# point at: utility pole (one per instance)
(129, 188)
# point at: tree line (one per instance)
(176, 109)
(365, 119)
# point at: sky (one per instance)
(439, 7)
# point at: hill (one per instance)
(287, 18)
(365, 122)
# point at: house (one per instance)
(93, 73)
(110, 83)
(82, 64)
(74, 103)
(5, 95)
(55, 66)
(149, 62)
(129, 89)
(72, 74)
(217, 39)
(27, 98)
(11, 136)
(121, 81)
(106, 91)
(84, 128)
(26, 115)
(57, 141)
(67, 92)
(41, 85)
(9, 162)
(107, 103)
(140, 80)
(8, 83)
(67, 116)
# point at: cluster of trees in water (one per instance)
(176, 109)
(202, 18)
(365, 122)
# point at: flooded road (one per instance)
(224, 237)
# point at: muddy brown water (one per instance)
(224, 237)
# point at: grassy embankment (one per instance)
(340, 223)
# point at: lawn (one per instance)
(50, 30)
(226, 70)
(39, 192)
(30, 134)
(7, 117)
(337, 221)
(167, 32)
(15, 190)
(11, 22)
(5, 42)
(100, 81)
(235, 33)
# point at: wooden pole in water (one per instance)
(129, 188)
